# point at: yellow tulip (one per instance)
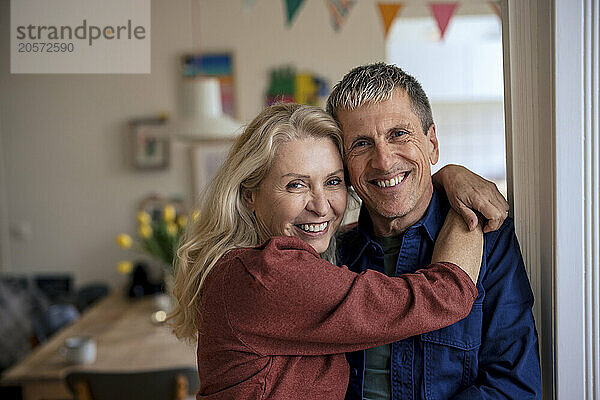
(124, 240)
(145, 231)
(171, 228)
(143, 217)
(169, 213)
(124, 267)
(195, 215)
(182, 221)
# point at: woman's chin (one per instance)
(319, 242)
(319, 245)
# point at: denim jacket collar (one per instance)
(431, 224)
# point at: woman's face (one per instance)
(304, 194)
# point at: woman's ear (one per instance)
(249, 197)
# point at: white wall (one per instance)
(260, 40)
(63, 136)
(63, 145)
(63, 141)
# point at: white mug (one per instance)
(79, 350)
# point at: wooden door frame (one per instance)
(553, 171)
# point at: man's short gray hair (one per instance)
(375, 83)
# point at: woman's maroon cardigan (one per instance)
(276, 320)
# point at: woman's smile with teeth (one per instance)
(313, 227)
(391, 182)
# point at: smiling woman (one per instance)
(272, 317)
(304, 194)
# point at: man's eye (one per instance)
(398, 133)
(359, 143)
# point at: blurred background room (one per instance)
(99, 173)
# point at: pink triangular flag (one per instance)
(442, 13)
(496, 7)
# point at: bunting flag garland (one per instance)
(496, 7)
(442, 13)
(292, 7)
(339, 10)
(388, 13)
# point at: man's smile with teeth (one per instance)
(390, 182)
(313, 227)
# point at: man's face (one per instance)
(388, 158)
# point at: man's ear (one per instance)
(249, 197)
(432, 143)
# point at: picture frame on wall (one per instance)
(205, 161)
(218, 65)
(150, 146)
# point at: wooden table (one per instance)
(126, 340)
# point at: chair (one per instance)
(51, 319)
(58, 288)
(90, 294)
(169, 384)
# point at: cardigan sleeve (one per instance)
(283, 299)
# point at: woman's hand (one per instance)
(459, 245)
(469, 192)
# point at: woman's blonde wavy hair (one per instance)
(226, 222)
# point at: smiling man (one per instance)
(390, 144)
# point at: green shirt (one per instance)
(377, 384)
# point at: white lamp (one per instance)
(205, 119)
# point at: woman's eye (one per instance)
(294, 185)
(360, 143)
(334, 182)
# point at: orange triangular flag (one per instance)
(442, 13)
(388, 12)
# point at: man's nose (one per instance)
(383, 158)
(318, 204)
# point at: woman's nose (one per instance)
(318, 204)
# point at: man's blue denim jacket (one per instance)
(490, 354)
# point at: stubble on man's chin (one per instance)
(395, 223)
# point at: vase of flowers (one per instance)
(158, 237)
